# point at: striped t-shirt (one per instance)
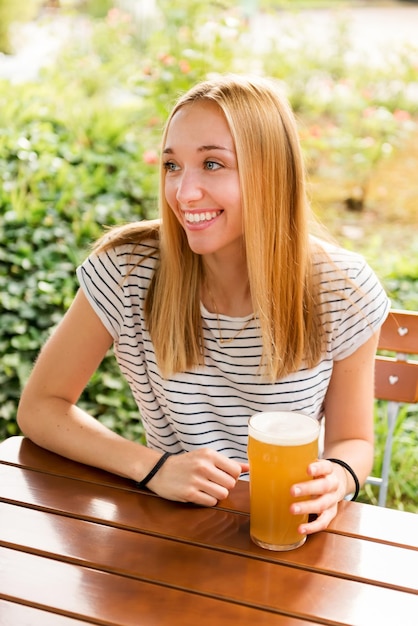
(210, 405)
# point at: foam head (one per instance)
(283, 428)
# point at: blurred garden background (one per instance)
(85, 87)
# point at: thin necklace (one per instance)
(241, 330)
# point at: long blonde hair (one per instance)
(278, 249)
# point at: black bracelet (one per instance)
(350, 471)
(154, 470)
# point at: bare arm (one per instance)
(349, 435)
(349, 430)
(49, 415)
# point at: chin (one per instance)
(199, 244)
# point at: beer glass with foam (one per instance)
(281, 445)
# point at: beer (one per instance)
(281, 445)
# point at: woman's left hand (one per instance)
(320, 496)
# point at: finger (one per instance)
(321, 467)
(313, 488)
(318, 524)
(218, 486)
(212, 486)
(202, 492)
(202, 477)
(321, 485)
(229, 466)
(202, 499)
(317, 507)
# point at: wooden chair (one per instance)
(396, 379)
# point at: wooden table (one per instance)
(80, 546)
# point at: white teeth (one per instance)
(195, 218)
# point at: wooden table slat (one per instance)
(22, 452)
(84, 593)
(379, 523)
(13, 614)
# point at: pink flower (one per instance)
(166, 59)
(116, 16)
(184, 66)
(369, 112)
(153, 121)
(401, 116)
(315, 131)
(150, 157)
(113, 15)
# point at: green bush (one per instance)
(402, 491)
(67, 171)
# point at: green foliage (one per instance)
(403, 479)
(401, 281)
(68, 170)
(97, 8)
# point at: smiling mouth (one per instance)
(198, 218)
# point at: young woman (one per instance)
(224, 307)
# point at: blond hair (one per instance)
(278, 249)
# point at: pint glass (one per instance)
(281, 445)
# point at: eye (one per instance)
(212, 165)
(170, 166)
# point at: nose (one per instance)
(189, 187)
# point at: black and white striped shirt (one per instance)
(210, 405)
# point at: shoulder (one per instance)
(346, 282)
(354, 301)
(128, 256)
(132, 255)
(338, 269)
(114, 265)
(327, 256)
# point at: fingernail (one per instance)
(296, 509)
(297, 491)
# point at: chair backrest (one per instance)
(400, 332)
(396, 376)
(396, 379)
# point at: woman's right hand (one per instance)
(202, 476)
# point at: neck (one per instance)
(229, 296)
(221, 338)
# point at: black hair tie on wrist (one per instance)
(350, 471)
(154, 470)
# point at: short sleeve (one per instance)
(101, 281)
(366, 308)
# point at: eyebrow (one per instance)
(205, 148)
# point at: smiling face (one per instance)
(201, 178)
